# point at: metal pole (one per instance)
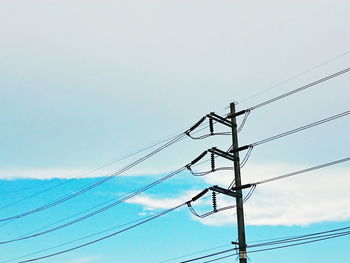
(239, 200)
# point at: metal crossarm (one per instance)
(219, 119)
(224, 191)
(221, 153)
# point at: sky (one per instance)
(85, 84)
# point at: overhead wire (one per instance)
(92, 208)
(209, 213)
(294, 91)
(104, 237)
(304, 237)
(250, 193)
(296, 76)
(310, 125)
(209, 172)
(278, 136)
(246, 157)
(208, 135)
(298, 240)
(99, 167)
(111, 203)
(76, 240)
(104, 179)
(259, 244)
(82, 175)
(232, 184)
(253, 185)
(302, 171)
(207, 256)
(171, 140)
(241, 126)
(194, 253)
(109, 206)
(247, 113)
(341, 72)
(213, 170)
(95, 184)
(320, 235)
(259, 105)
(220, 258)
(70, 217)
(304, 242)
(323, 237)
(85, 237)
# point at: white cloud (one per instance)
(45, 174)
(318, 196)
(41, 174)
(151, 203)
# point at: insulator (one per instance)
(212, 159)
(195, 125)
(211, 126)
(200, 194)
(199, 157)
(214, 201)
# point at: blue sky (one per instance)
(83, 83)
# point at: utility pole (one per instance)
(232, 155)
(239, 200)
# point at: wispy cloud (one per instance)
(42, 174)
(60, 173)
(151, 203)
(318, 196)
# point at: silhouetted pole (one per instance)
(239, 200)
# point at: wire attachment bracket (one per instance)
(229, 116)
(221, 153)
(195, 126)
(218, 118)
(224, 191)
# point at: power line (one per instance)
(296, 76)
(207, 256)
(106, 230)
(298, 240)
(99, 167)
(104, 237)
(304, 242)
(343, 114)
(303, 171)
(322, 234)
(300, 89)
(179, 137)
(216, 259)
(278, 136)
(194, 253)
(271, 242)
(171, 140)
(78, 239)
(95, 184)
(117, 202)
